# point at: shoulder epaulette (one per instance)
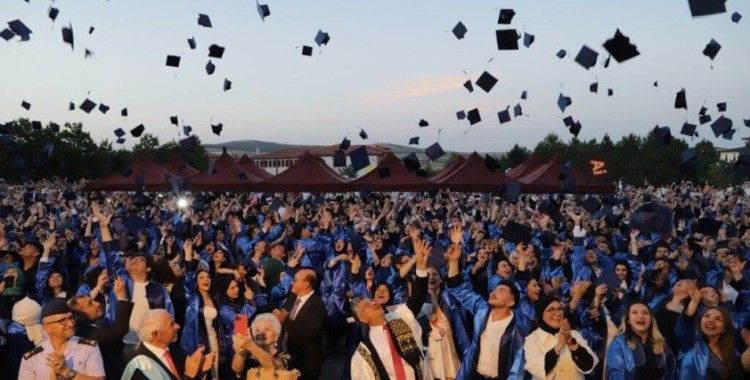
(33, 352)
(88, 342)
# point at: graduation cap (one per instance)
(91, 29)
(504, 116)
(703, 111)
(186, 129)
(339, 159)
(688, 155)
(460, 115)
(88, 53)
(563, 102)
(434, 151)
(67, 35)
(747, 122)
(227, 84)
(568, 121)
(516, 233)
(729, 134)
(20, 29)
(384, 172)
(119, 132)
(506, 16)
(411, 162)
(459, 30)
(528, 39)
(736, 17)
(359, 158)
(703, 119)
(71, 106)
(7, 34)
(345, 143)
(706, 7)
(591, 205)
(210, 67)
(173, 120)
(173, 61)
(620, 48)
(517, 110)
(561, 53)
(712, 49)
(124, 112)
(524, 95)
(656, 83)
(363, 134)
(486, 81)
(216, 128)
(52, 13)
(322, 38)
(307, 50)
(663, 135)
(594, 87)
(263, 10)
(610, 92)
(103, 108)
(87, 106)
(708, 226)
(722, 107)
(586, 57)
(215, 51)
(653, 218)
(204, 20)
(511, 191)
(680, 100)
(54, 127)
(473, 116)
(189, 144)
(688, 129)
(26, 105)
(423, 123)
(137, 131)
(191, 43)
(414, 141)
(37, 125)
(721, 126)
(507, 39)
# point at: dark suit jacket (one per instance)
(178, 356)
(109, 337)
(303, 335)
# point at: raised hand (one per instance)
(456, 234)
(578, 289)
(423, 251)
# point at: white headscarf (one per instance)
(28, 313)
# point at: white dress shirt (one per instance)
(379, 340)
(302, 301)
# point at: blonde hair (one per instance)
(654, 337)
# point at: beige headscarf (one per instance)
(28, 313)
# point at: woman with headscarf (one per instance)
(11, 290)
(24, 332)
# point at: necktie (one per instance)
(170, 363)
(398, 365)
(295, 309)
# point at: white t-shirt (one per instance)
(140, 307)
(489, 345)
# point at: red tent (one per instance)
(178, 166)
(546, 179)
(144, 174)
(523, 168)
(252, 168)
(447, 171)
(310, 174)
(400, 178)
(224, 175)
(474, 175)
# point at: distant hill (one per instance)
(251, 146)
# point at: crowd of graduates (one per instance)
(439, 285)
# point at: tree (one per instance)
(148, 144)
(348, 171)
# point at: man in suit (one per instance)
(158, 357)
(302, 319)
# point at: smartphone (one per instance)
(240, 325)
(10, 282)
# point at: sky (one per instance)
(388, 65)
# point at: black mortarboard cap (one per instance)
(712, 49)
(307, 50)
(587, 57)
(54, 127)
(210, 67)
(736, 17)
(688, 155)
(721, 126)
(339, 159)
(680, 100)
(517, 110)
(215, 51)
(610, 92)
(186, 130)
(434, 151)
(173, 60)
(52, 13)
(7, 34)
(729, 134)
(87, 53)
(216, 128)
(703, 119)
(137, 131)
(91, 29)
(36, 125)
(459, 30)
(191, 43)
(54, 306)
(227, 84)
(345, 143)
(173, 120)
(124, 112)
(469, 86)
(189, 144)
(722, 107)
(561, 53)
(620, 47)
(87, 106)
(594, 87)
(67, 35)
(504, 116)
(322, 38)
(516, 233)
(703, 111)
(71, 106)
(528, 39)
(688, 129)
(20, 29)
(414, 140)
(663, 135)
(363, 134)
(473, 116)
(653, 217)
(359, 158)
(524, 95)
(506, 16)
(747, 122)
(563, 102)
(512, 191)
(460, 115)
(384, 171)
(204, 20)
(591, 205)
(411, 162)
(263, 10)
(26, 105)
(103, 108)
(706, 7)
(486, 81)
(423, 123)
(507, 39)
(119, 132)
(708, 226)
(656, 83)
(568, 121)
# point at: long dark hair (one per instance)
(725, 342)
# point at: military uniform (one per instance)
(81, 355)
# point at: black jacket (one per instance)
(178, 356)
(109, 337)
(303, 335)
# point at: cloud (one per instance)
(412, 88)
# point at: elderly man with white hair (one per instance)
(158, 358)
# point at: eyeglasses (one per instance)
(63, 321)
(554, 310)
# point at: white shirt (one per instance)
(380, 341)
(140, 307)
(159, 353)
(302, 301)
(489, 345)
(536, 346)
(85, 359)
